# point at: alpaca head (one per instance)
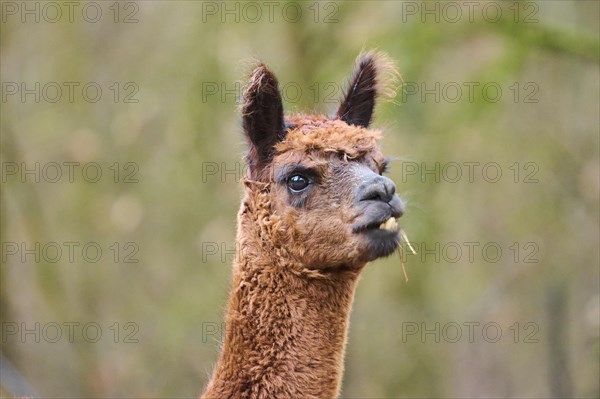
(325, 199)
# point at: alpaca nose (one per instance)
(379, 188)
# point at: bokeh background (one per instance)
(165, 134)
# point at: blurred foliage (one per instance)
(178, 131)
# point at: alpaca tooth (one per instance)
(384, 225)
(389, 224)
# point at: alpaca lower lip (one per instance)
(382, 237)
(381, 242)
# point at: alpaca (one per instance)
(316, 209)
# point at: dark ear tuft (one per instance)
(262, 114)
(365, 85)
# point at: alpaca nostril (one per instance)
(398, 205)
(390, 188)
(378, 189)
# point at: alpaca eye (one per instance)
(297, 183)
(385, 167)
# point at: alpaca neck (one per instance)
(286, 322)
(285, 331)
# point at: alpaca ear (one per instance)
(262, 114)
(364, 87)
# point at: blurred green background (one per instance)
(165, 134)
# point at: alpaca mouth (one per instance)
(387, 225)
(381, 236)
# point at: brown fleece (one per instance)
(296, 267)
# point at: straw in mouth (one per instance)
(400, 253)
